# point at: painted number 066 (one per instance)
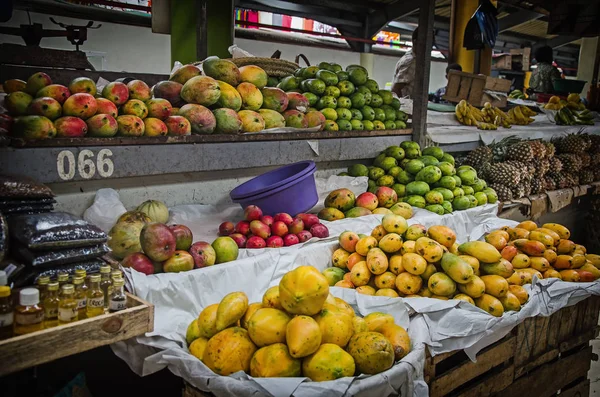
(67, 165)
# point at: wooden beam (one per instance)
(399, 9)
(517, 18)
(423, 59)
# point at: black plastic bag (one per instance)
(12, 186)
(58, 257)
(482, 28)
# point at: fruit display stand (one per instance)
(80, 336)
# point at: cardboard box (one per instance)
(476, 89)
(522, 56)
(502, 62)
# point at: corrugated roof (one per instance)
(535, 28)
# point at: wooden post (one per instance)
(421, 90)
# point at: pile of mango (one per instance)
(349, 100)
(342, 203)
(299, 329)
(546, 252)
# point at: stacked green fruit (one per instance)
(348, 99)
(426, 179)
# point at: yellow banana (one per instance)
(526, 111)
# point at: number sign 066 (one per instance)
(85, 166)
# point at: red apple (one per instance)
(290, 239)
(239, 239)
(274, 242)
(181, 261)
(296, 226)
(138, 262)
(252, 213)
(267, 220)
(260, 229)
(319, 230)
(183, 237)
(309, 220)
(279, 228)
(304, 236)
(158, 241)
(243, 227)
(256, 242)
(226, 228)
(203, 254)
(283, 217)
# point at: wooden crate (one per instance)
(40, 347)
(542, 354)
(472, 87)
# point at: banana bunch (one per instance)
(486, 126)
(567, 117)
(487, 118)
(464, 115)
(496, 116)
(521, 115)
(517, 94)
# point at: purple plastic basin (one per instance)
(289, 189)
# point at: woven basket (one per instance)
(273, 67)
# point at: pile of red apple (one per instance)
(260, 231)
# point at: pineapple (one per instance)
(597, 174)
(586, 159)
(548, 183)
(595, 146)
(504, 193)
(538, 148)
(595, 158)
(572, 143)
(478, 157)
(572, 179)
(520, 152)
(541, 166)
(586, 176)
(571, 162)
(560, 180)
(556, 165)
(537, 186)
(518, 191)
(550, 149)
(503, 174)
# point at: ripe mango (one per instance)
(429, 249)
(387, 292)
(562, 231)
(344, 306)
(344, 284)
(415, 231)
(542, 237)
(550, 233)
(385, 280)
(274, 361)
(465, 298)
(353, 259)
(429, 271)
(530, 247)
(441, 284)
(495, 285)
(359, 325)
(531, 272)
(360, 274)
(408, 284)
(198, 347)
(579, 247)
(594, 259)
(539, 263)
(192, 333)
(551, 273)
(502, 268)
(377, 320)
(527, 225)
(252, 308)
(414, 263)
(517, 278)
(588, 267)
(268, 326)
(458, 270)
(454, 249)
(490, 304)
(366, 290)
(303, 291)
(399, 339)
(510, 302)
(570, 275)
(229, 351)
(425, 292)
(271, 298)
(497, 240)
(231, 308)
(563, 262)
(378, 232)
(207, 321)
(550, 256)
(395, 264)
(585, 276)
(408, 246)
(565, 247)
(502, 233)
(471, 260)
(474, 288)
(390, 243)
(365, 244)
(509, 252)
(329, 362)
(340, 258)
(335, 325)
(484, 252)
(440, 297)
(377, 261)
(394, 223)
(520, 292)
(518, 233)
(443, 235)
(520, 261)
(372, 352)
(578, 261)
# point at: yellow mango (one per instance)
(365, 290)
(376, 320)
(385, 280)
(539, 263)
(429, 249)
(550, 233)
(360, 274)
(579, 247)
(527, 225)
(378, 232)
(395, 264)
(440, 297)
(454, 249)
(336, 327)
(570, 275)
(365, 244)
(588, 267)
(229, 351)
(407, 283)
(464, 297)
(344, 284)
(303, 291)
(340, 258)
(495, 285)
(372, 352)
(425, 292)
(414, 263)
(562, 231)
(268, 326)
(390, 243)
(533, 272)
(274, 361)
(329, 362)
(197, 347)
(193, 332)
(441, 284)
(551, 273)
(542, 237)
(353, 259)
(389, 292)
(344, 306)
(458, 270)
(563, 262)
(252, 308)
(399, 339)
(415, 231)
(517, 278)
(484, 252)
(207, 321)
(474, 288)
(502, 233)
(518, 233)
(377, 261)
(578, 261)
(393, 223)
(497, 240)
(303, 336)
(407, 246)
(565, 247)
(472, 261)
(490, 304)
(359, 325)
(520, 261)
(530, 247)
(520, 292)
(443, 235)
(271, 298)
(502, 268)
(510, 302)
(550, 256)
(429, 271)
(231, 308)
